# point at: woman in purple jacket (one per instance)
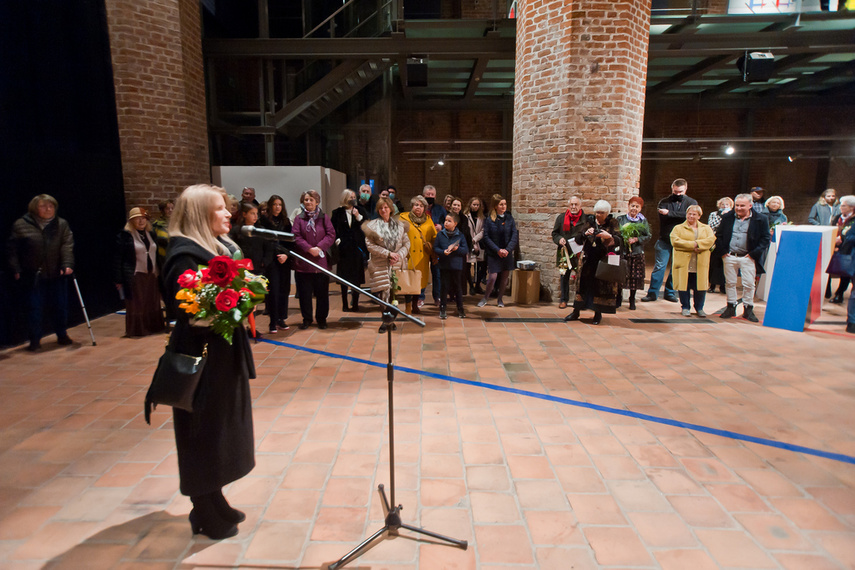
(313, 236)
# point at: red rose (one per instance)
(221, 270)
(227, 300)
(188, 279)
(245, 264)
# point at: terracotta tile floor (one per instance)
(531, 482)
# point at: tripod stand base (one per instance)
(393, 523)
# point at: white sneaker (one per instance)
(686, 313)
(482, 302)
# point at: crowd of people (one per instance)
(370, 239)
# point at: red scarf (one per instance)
(570, 220)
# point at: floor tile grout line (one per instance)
(645, 417)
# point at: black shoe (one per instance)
(729, 312)
(574, 316)
(850, 328)
(598, 318)
(649, 297)
(204, 519)
(382, 328)
(461, 313)
(837, 300)
(64, 340)
(322, 325)
(632, 304)
(34, 346)
(748, 314)
(711, 289)
(670, 298)
(354, 309)
(303, 326)
(281, 324)
(272, 329)
(225, 510)
(442, 314)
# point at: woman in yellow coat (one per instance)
(422, 234)
(692, 242)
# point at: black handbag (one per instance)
(175, 381)
(842, 264)
(611, 273)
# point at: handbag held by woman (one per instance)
(175, 381)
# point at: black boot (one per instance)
(344, 306)
(598, 318)
(850, 328)
(354, 302)
(748, 314)
(225, 510)
(838, 299)
(729, 312)
(204, 519)
(632, 301)
(574, 316)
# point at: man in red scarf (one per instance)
(567, 226)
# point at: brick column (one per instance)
(156, 48)
(581, 68)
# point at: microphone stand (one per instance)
(393, 511)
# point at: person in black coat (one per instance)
(500, 240)
(215, 441)
(256, 249)
(601, 239)
(347, 221)
(135, 274)
(451, 248)
(742, 252)
(41, 254)
(278, 272)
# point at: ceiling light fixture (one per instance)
(729, 150)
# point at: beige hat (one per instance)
(137, 213)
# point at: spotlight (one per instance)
(790, 158)
(440, 162)
(729, 150)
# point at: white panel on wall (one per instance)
(286, 181)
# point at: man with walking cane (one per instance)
(41, 255)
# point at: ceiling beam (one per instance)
(689, 74)
(475, 78)
(362, 48)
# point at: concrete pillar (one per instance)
(156, 49)
(581, 68)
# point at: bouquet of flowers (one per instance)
(632, 230)
(224, 293)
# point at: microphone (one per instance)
(252, 231)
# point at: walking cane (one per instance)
(83, 306)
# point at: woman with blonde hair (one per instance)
(473, 216)
(388, 245)
(421, 233)
(215, 441)
(348, 221)
(692, 242)
(135, 272)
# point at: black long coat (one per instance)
(125, 261)
(215, 442)
(352, 251)
(593, 293)
(500, 234)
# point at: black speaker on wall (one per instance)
(417, 72)
(756, 66)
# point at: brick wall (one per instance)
(580, 77)
(799, 182)
(160, 97)
(463, 178)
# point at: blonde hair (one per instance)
(726, 200)
(130, 226)
(494, 203)
(345, 196)
(467, 209)
(694, 207)
(778, 198)
(194, 212)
